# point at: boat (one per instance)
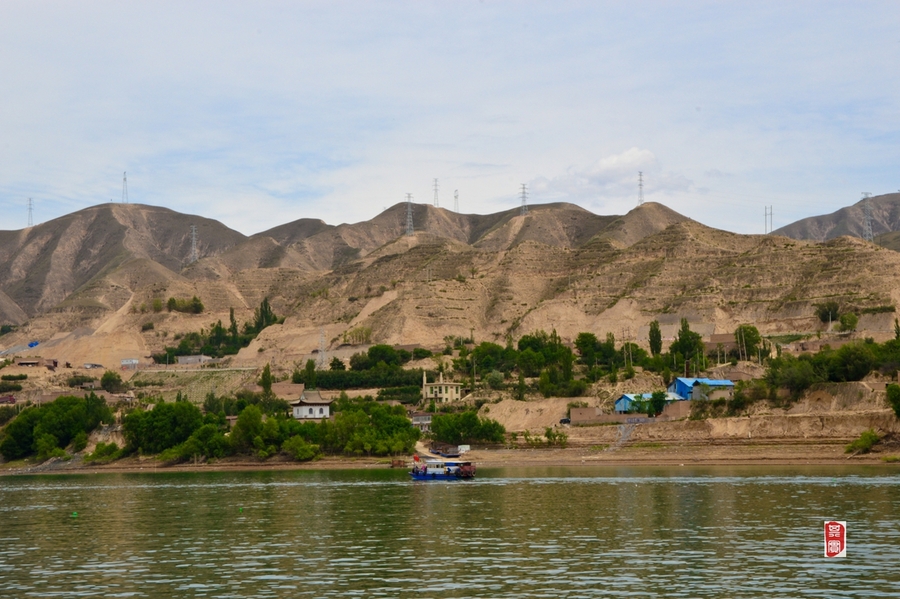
(441, 470)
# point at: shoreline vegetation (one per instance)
(662, 454)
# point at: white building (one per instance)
(311, 406)
(441, 391)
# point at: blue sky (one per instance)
(257, 114)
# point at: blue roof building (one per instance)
(684, 387)
(629, 402)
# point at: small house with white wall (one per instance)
(311, 406)
(440, 391)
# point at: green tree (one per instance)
(247, 428)
(266, 380)
(657, 403)
(111, 382)
(748, 339)
(849, 320)
(309, 374)
(337, 364)
(897, 329)
(521, 387)
(530, 362)
(264, 316)
(586, 344)
(687, 343)
(893, 397)
(829, 311)
(655, 339)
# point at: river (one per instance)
(527, 532)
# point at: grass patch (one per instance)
(891, 459)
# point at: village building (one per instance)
(198, 359)
(441, 391)
(627, 402)
(311, 406)
(421, 421)
(701, 388)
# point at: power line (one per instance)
(409, 219)
(124, 188)
(524, 196)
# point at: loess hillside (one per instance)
(84, 285)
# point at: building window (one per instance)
(310, 411)
(321, 411)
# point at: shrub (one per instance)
(864, 443)
(47, 447)
(297, 448)
(104, 453)
(78, 380)
(147, 326)
(79, 442)
(420, 353)
(6, 387)
(849, 321)
(13, 377)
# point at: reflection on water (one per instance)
(550, 532)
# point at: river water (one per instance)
(538, 532)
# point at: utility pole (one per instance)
(30, 212)
(124, 188)
(524, 196)
(456, 201)
(437, 204)
(768, 227)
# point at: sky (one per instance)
(260, 113)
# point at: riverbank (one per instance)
(637, 454)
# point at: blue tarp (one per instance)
(33, 344)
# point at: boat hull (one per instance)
(437, 476)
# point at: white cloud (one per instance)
(262, 114)
(612, 178)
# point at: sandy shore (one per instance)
(672, 454)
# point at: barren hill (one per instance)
(495, 276)
(848, 221)
(43, 265)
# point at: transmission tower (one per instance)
(456, 201)
(867, 217)
(524, 195)
(30, 212)
(193, 243)
(409, 221)
(768, 227)
(436, 203)
(640, 188)
(320, 362)
(124, 188)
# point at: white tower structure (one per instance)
(124, 187)
(524, 195)
(867, 217)
(409, 219)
